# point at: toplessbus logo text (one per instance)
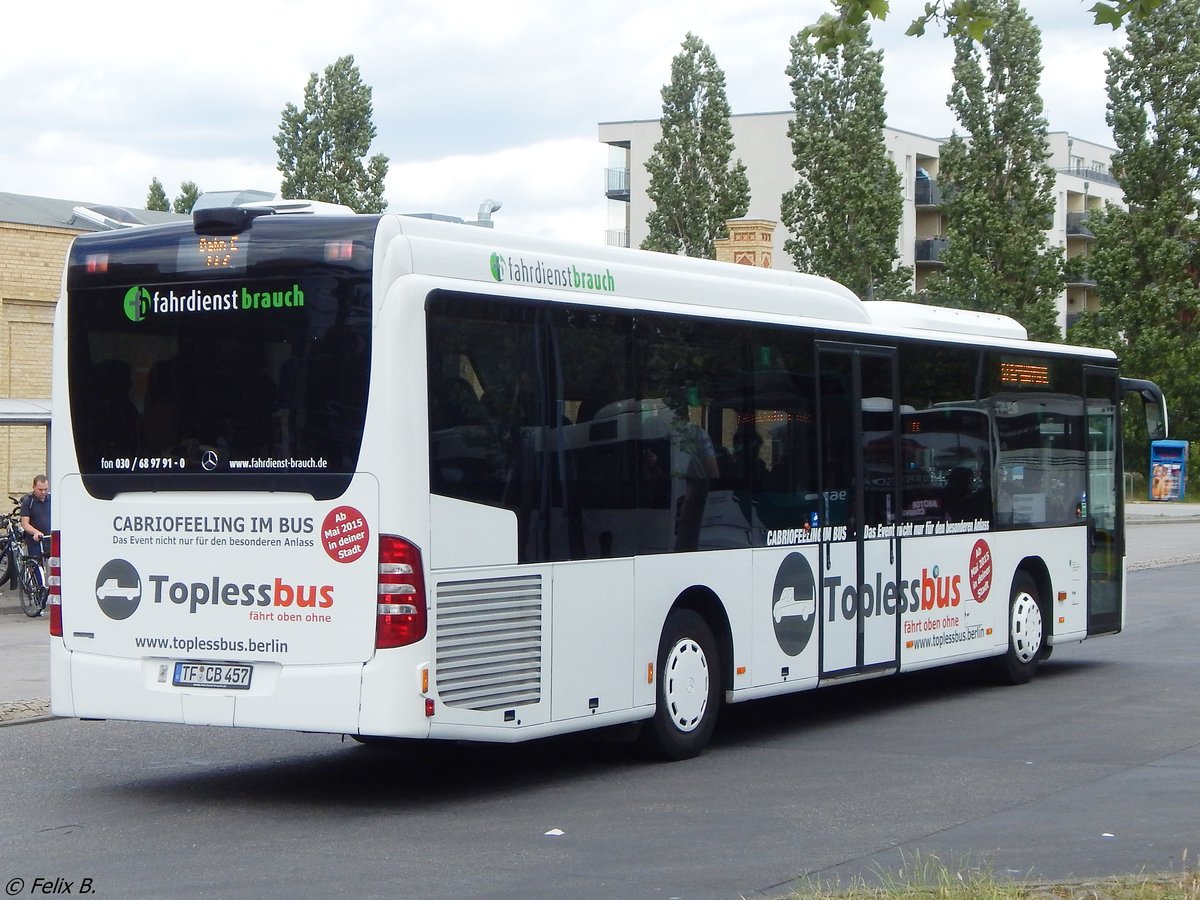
(930, 591)
(196, 594)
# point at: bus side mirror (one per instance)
(1153, 404)
(1156, 421)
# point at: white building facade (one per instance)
(1083, 185)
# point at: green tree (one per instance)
(958, 16)
(844, 212)
(189, 193)
(693, 186)
(156, 199)
(1146, 258)
(321, 147)
(997, 187)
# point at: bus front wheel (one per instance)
(688, 692)
(1026, 633)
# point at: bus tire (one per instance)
(1026, 632)
(687, 692)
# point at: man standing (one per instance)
(35, 515)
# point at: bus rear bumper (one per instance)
(296, 698)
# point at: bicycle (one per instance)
(30, 571)
(7, 545)
(34, 589)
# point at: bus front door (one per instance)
(1101, 505)
(859, 455)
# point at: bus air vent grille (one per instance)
(488, 652)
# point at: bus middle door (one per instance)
(859, 455)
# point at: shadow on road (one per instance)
(410, 774)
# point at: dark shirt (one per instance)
(39, 517)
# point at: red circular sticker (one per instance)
(344, 534)
(979, 572)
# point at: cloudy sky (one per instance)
(472, 100)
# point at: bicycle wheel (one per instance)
(43, 589)
(33, 596)
(5, 562)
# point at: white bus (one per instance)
(391, 477)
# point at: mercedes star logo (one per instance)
(209, 460)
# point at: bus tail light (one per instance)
(54, 582)
(401, 617)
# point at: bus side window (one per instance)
(1042, 437)
(454, 404)
(963, 501)
(462, 446)
(837, 471)
(785, 487)
(947, 436)
(783, 470)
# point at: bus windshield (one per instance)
(186, 375)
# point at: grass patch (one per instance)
(925, 876)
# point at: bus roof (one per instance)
(482, 254)
(892, 314)
(454, 250)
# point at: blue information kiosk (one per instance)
(1168, 469)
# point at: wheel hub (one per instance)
(686, 684)
(1026, 628)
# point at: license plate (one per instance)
(233, 676)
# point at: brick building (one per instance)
(35, 233)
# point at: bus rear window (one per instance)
(252, 380)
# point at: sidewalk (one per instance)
(1144, 511)
(24, 675)
(10, 602)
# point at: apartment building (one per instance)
(1083, 184)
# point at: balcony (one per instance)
(616, 237)
(928, 251)
(927, 192)
(1077, 226)
(616, 184)
(1075, 274)
(1089, 174)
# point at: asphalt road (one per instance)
(1092, 769)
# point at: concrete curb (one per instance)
(1191, 515)
(1161, 563)
(21, 712)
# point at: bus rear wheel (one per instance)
(1026, 633)
(688, 692)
